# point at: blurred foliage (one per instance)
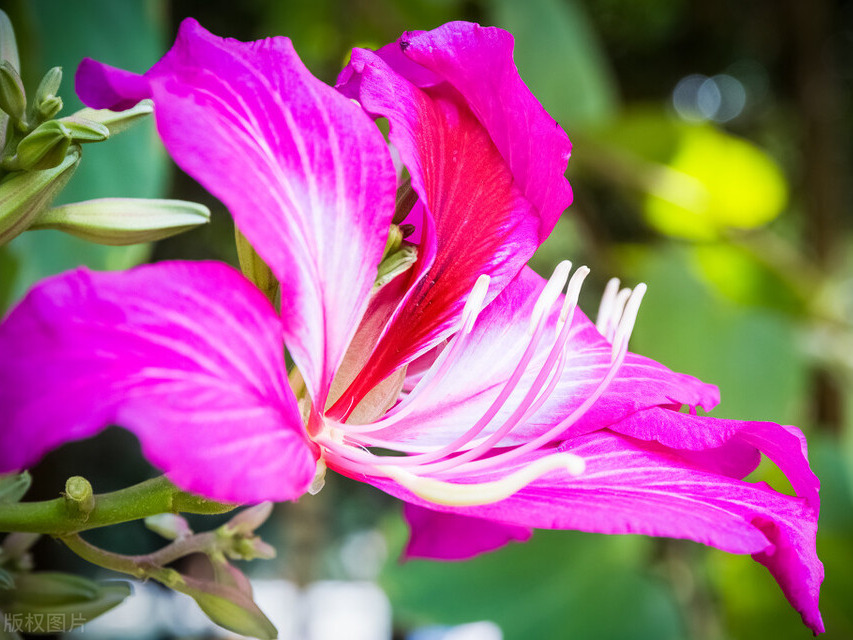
(735, 226)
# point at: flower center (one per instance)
(463, 471)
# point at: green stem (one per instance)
(54, 517)
(141, 567)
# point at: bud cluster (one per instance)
(39, 152)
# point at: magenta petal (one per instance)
(305, 173)
(631, 486)
(188, 356)
(101, 86)
(478, 62)
(450, 536)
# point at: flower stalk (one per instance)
(54, 517)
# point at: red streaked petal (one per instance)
(477, 217)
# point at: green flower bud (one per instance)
(228, 607)
(49, 588)
(49, 85)
(117, 121)
(13, 486)
(43, 601)
(169, 525)
(26, 194)
(48, 108)
(44, 148)
(83, 130)
(123, 221)
(394, 264)
(8, 52)
(13, 100)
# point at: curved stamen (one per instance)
(475, 494)
(539, 319)
(545, 382)
(619, 351)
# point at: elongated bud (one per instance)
(26, 194)
(117, 121)
(13, 100)
(44, 148)
(49, 588)
(123, 221)
(8, 44)
(169, 525)
(67, 601)
(49, 85)
(9, 53)
(82, 130)
(46, 102)
(249, 519)
(229, 607)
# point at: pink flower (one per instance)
(511, 409)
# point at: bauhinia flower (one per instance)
(466, 385)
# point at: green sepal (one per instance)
(117, 121)
(394, 264)
(44, 148)
(14, 486)
(25, 194)
(83, 130)
(123, 221)
(13, 100)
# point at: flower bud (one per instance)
(169, 525)
(13, 486)
(249, 519)
(46, 103)
(44, 148)
(228, 607)
(13, 100)
(83, 130)
(117, 121)
(26, 194)
(68, 601)
(8, 45)
(123, 221)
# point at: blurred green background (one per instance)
(711, 160)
